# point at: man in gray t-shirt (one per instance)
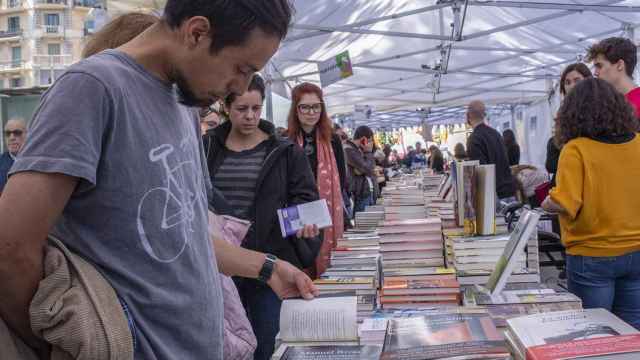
(114, 167)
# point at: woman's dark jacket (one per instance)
(285, 180)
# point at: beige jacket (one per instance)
(74, 309)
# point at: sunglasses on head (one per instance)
(8, 133)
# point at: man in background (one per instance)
(614, 61)
(487, 146)
(361, 164)
(15, 132)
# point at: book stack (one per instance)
(354, 238)
(370, 218)
(363, 288)
(475, 257)
(444, 336)
(405, 212)
(520, 299)
(407, 293)
(411, 244)
(572, 334)
(431, 184)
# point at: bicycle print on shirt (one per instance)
(165, 235)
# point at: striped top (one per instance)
(236, 178)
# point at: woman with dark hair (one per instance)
(311, 128)
(459, 153)
(597, 198)
(570, 77)
(259, 172)
(513, 149)
(436, 159)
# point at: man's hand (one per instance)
(288, 281)
(309, 231)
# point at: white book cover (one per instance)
(564, 326)
(294, 218)
(517, 241)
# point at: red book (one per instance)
(585, 348)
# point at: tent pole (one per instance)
(269, 93)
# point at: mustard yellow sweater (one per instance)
(599, 186)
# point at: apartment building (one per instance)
(40, 38)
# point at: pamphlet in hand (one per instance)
(294, 218)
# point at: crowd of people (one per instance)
(132, 177)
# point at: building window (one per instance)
(53, 49)
(13, 3)
(13, 24)
(16, 82)
(52, 23)
(1, 83)
(16, 56)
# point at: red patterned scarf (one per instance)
(329, 189)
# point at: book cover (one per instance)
(565, 326)
(294, 218)
(442, 336)
(485, 200)
(332, 353)
(517, 241)
(586, 348)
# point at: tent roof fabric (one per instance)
(503, 52)
(437, 54)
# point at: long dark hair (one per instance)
(581, 68)
(594, 109)
(509, 138)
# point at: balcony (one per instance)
(49, 31)
(10, 34)
(12, 66)
(89, 3)
(12, 4)
(53, 2)
(52, 61)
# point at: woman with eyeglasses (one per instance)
(311, 128)
(258, 172)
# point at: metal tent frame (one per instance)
(440, 54)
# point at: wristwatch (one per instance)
(267, 268)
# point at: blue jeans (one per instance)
(612, 283)
(263, 310)
(361, 203)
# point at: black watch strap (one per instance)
(267, 268)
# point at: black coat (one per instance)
(486, 145)
(285, 180)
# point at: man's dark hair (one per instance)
(615, 49)
(233, 20)
(363, 131)
(580, 68)
(594, 109)
(256, 84)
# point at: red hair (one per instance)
(324, 125)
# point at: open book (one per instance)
(327, 318)
(294, 218)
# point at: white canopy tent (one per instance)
(436, 55)
(417, 61)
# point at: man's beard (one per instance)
(186, 96)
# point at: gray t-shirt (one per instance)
(140, 211)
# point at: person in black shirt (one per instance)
(513, 149)
(436, 160)
(487, 146)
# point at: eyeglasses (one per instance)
(204, 112)
(310, 108)
(17, 133)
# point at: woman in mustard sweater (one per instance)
(597, 198)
